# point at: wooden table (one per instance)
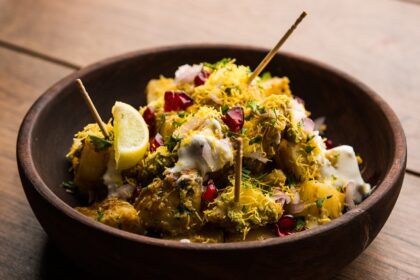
(377, 41)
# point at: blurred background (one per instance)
(376, 41)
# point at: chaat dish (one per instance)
(167, 169)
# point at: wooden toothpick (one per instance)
(238, 169)
(92, 108)
(271, 54)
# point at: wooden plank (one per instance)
(22, 240)
(367, 43)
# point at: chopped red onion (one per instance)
(308, 124)
(281, 197)
(319, 122)
(299, 100)
(297, 205)
(296, 208)
(186, 73)
(258, 156)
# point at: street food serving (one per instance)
(167, 169)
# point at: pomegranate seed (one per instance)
(156, 142)
(234, 118)
(150, 118)
(329, 144)
(201, 78)
(211, 192)
(285, 225)
(176, 101)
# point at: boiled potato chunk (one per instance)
(115, 213)
(91, 168)
(322, 200)
(172, 205)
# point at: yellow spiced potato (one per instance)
(168, 169)
(116, 213)
(321, 200)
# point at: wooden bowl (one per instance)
(355, 115)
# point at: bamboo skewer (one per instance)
(271, 54)
(92, 108)
(238, 169)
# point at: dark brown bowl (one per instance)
(355, 116)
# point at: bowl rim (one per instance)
(24, 153)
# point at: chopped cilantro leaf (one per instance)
(182, 114)
(300, 223)
(69, 187)
(100, 215)
(172, 142)
(225, 108)
(256, 139)
(310, 138)
(219, 64)
(100, 144)
(182, 209)
(178, 124)
(321, 200)
(309, 149)
(253, 105)
(266, 75)
(291, 180)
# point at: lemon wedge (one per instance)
(131, 135)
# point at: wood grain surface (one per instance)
(378, 44)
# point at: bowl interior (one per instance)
(352, 115)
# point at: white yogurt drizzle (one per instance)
(204, 150)
(344, 171)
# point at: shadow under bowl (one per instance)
(355, 115)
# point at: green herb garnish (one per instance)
(265, 76)
(69, 187)
(219, 64)
(100, 215)
(320, 201)
(172, 142)
(300, 223)
(178, 124)
(182, 114)
(255, 107)
(224, 109)
(309, 149)
(291, 180)
(100, 144)
(252, 104)
(256, 139)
